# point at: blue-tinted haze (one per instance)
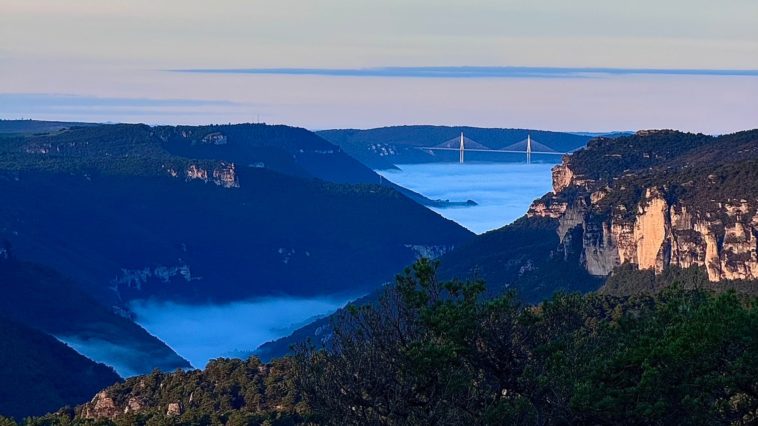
(203, 332)
(502, 190)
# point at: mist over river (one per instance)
(503, 191)
(199, 333)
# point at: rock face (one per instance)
(101, 406)
(215, 138)
(173, 409)
(223, 174)
(562, 176)
(664, 225)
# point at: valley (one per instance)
(173, 282)
(500, 190)
(350, 213)
(213, 260)
(197, 217)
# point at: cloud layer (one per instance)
(503, 191)
(200, 333)
(474, 72)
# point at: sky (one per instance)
(548, 64)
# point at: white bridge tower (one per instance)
(528, 149)
(461, 149)
(526, 146)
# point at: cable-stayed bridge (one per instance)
(462, 144)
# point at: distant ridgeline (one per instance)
(213, 213)
(385, 147)
(653, 201)
(29, 127)
(189, 215)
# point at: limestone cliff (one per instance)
(223, 174)
(667, 209)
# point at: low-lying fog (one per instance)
(504, 191)
(203, 332)
(200, 333)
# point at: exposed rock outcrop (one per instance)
(562, 177)
(661, 229)
(174, 409)
(136, 278)
(429, 251)
(101, 406)
(196, 172)
(248, 387)
(215, 138)
(223, 174)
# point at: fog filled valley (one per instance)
(502, 191)
(233, 330)
(244, 274)
(347, 213)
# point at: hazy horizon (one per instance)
(585, 66)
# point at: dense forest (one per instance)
(538, 255)
(520, 257)
(99, 216)
(290, 207)
(434, 352)
(515, 339)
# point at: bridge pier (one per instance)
(528, 149)
(460, 156)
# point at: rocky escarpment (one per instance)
(656, 214)
(260, 392)
(223, 174)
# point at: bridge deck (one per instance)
(489, 150)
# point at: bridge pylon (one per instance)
(528, 149)
(461, 150)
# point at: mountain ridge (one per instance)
(385, 147)
(40, 374)
(549, 249)
(197, 215)
(671, 199)
(40, 298)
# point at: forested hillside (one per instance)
(39, 374)
(436, 352)
(40, 298)
(95, 217)
(659, 199)
(653, 200)
(198, 214)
